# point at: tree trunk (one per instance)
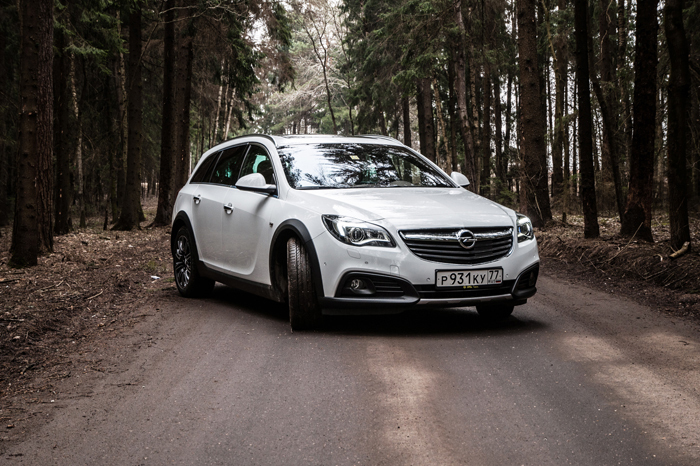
(678, 98)
(78, 143)
(636, 220)
(31, 232)
(442, 131)
(227, 126)
(461, 92)
(184, 100)
(4, 159)
(62, 131)
(498, 140)
(215, 137)
(695, 130)
(625, 132)
(168, 130)
(585, 123)
(509, 127)
(406, 121)
(452, 103)
(425, 102)
(485, 179)
(120, 82)
(534, 188)
(131, 208)
(561, 60)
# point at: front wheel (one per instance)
(304, 311)
(189, 283)
(495, 312)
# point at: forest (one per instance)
(557, 108)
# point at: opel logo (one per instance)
(466, 239)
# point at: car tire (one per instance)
(495, 312)
(304, 311)
(189, 282)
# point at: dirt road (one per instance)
(576, 376)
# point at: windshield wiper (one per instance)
(307, 188)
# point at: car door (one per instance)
(209, 201)
(246, 230)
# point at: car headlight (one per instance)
(525, 230)
(356, 232)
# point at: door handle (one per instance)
(228, 208)
(197, 199)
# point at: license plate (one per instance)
(468, 278)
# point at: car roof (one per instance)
(300, 139)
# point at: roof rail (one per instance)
(377, 136)
(266, 136)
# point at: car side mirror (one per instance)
(255, 182)
(460, 179)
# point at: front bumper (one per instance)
(406, 280)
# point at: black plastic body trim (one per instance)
(528, 292)
(265, 291)
(300, 230)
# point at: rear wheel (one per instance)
(189, 283)
(495, 312)
(304, 311)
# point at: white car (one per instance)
(347, 225)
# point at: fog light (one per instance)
(357, 284)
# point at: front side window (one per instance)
(258, 161)
(228, 167)
(333, 165)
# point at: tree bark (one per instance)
(498, 140)
(168, 129)
(131, 208)
(215, 137)
(425, 103)
(625, 133)
(678, 109)
(4, 159)
(442, 131)
(534, 188)
(120, 83)
(80, 194)
(636, 220)
(585, 123)
(62, 131)
(561, 58)
(485, 179)
(461, 92)
(184, 101)
(31, 232)
(406, 121)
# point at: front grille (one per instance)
(443, 245)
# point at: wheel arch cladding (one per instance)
(278, 249)
(181, 220)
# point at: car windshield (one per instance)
(338, 165)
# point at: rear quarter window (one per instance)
(203, 173)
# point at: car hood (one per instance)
(409, 207)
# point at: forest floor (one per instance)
(97, 283)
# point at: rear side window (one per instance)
(203, 173)
(228, 167)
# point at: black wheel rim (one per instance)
(183, 262)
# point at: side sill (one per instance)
(264, 291)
